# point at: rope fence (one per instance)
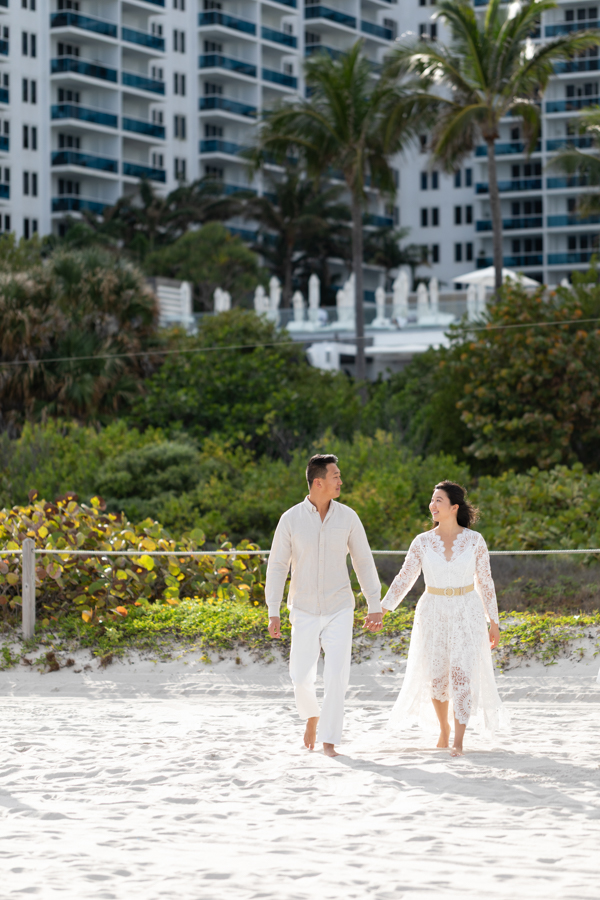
(29, 552)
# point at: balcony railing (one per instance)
(218, 18)
(77, 204)
(378, 221)
(84, 160)
(581, 141)
(575, 257)
(278, 37)
(155, 2)
(81, 67)
(516, 184)
(376, 30)
(84, 114)
(4, 191)
(217, 61)
(512, 224)
(566, 181)
(4, 143)
(571, 104)
(232, 106)
(142, 82)
(513, 262)
(214, 145)
(140, 126)
(4, 95)
(568, 27)
(4, 47)
(576, 65)
(291, 3)
(311, 49)
(68, 19)
(332, 15)
(143, 38)
(229, 189)
(504, 149)
(279, 78)
(135, 170)
(563, 221)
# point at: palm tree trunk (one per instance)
(286, 299)
(357, 266)
(495, 211)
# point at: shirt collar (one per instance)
(312, 508)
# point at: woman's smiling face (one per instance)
(440, 507)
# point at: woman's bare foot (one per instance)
(444, 740)
(310, 734)
(457, 750)
(329, 750)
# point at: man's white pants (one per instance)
(334, 634)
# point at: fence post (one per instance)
(28, 593)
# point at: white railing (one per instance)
(29, 552)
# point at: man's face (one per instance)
(331, 485)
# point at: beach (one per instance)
(187, 779)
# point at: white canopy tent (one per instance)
(487, 277)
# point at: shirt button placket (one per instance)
(321, 576)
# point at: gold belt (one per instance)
(450, 592)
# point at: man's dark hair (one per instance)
(317, 466)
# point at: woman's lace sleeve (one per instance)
(405, 578)
(484, 583)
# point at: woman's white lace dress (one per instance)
(449, 656)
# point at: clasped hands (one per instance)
(374, 621)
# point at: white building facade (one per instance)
(95, 94)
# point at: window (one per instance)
(180, 169)
(33, 48)
(211, 131)
(215, 172)
(433, 31)
(24, 43)
(178, 41)
(26, 183)
(468, 215)
(458, 253)
(423, 181)
(434, 181)
(157, 73)
(6, 176)
(67, 4)
(468, 177)
(157, 116)
(571, 205)
(25, 137)
(156, 29)
(66, 186)
(69, 140)
(7, 223)
(458, 215)
(212, 47)
(33, 137)
(158, 161)
(179, 4)
(34, 187)
(469, 252)
(65, 96)
(457, 178)
(67, 49)
(435, 253)
(179, 84)
(423, 31)
(424, 218)
(26, 229)
(34, 226)
(423, 143)
(422, 2)
(210, 88)
(179, 127)
(515, 133)
(435, 216)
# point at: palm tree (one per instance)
(490, 70)
(295, 214)
(382, 248)
(351, 122)
(571, 160)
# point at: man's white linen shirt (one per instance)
(316, 551)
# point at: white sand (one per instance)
(178, 781)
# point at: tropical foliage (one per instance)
(586, 165)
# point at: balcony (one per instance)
(575, 257)
(229, 189)
(140, 126)
(581, 141)
(512, 224)
(311, 49)
(568, 27)
(332, 15)
(576, 65)
(155, 2)
(216, 61)
(135, 170)
(142, 83)
(567, 220)
(81, 67)
(217, 146)
(386, 34)
(4, 95)
(279, 78)
(83, 160)
(4, 143)
(218, 18)
(278, 37)
(83, 114)
(566, 181)
(513, 262)
(4, 191)
(291, 3)
(378, 221)
(143, 39)
(77, 204)
(4, 47)
(67, 19)
(570, 105)
(505, 149)
(232, 106)
(518, 184)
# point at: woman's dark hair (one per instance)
(467, 514)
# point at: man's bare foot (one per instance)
(329, 750)
(457, 750)
(444, 740)
(310, 734)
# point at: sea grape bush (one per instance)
(103, 588)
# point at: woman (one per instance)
(449, 660)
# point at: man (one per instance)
(315, 538)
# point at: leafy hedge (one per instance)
(102, 588)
